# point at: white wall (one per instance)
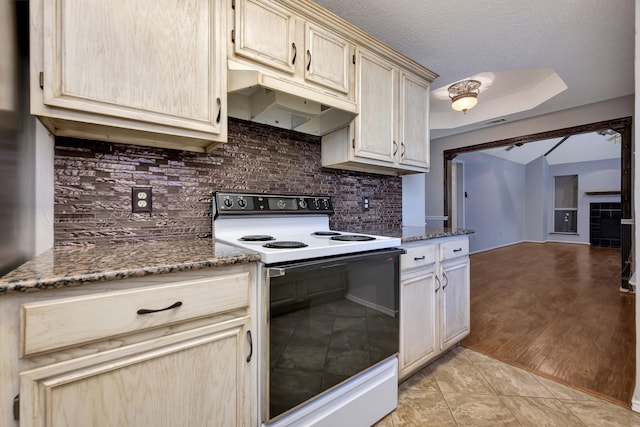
(536, 205)
(606, 110)
(600, 175)
(509, 202)
(413, 200)
(495, 203)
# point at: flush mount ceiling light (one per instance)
(464, 95)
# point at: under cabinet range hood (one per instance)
(259, 97)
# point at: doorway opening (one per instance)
(622, 126)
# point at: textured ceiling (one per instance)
(589, 43)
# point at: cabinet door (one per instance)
(264, 33)
(155, 63)
(196, 378)
(327, 60)
(376, 86)
(418, 320)
(455, 302)
(414, 119)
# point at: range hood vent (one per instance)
(259, 97)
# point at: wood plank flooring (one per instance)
(556, 309)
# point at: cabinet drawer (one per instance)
(65, 322)
(418, 256)
(454, 249)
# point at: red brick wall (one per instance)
(93, 183)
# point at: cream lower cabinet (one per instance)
(434, 300)
(191, 379)
(179, 353)
(147, 74)
(391, 133)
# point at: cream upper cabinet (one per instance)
(149, 74)
(265, 32)
(414, 121)
(376, 90)
(391, 133)
(292, 46)
(328, 59)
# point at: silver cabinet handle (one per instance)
(395, 147)
(418, 258)
(403, 148)
(295, 53)
(219, 110)
(309, 55)
(438, 280)
(446, 281)
(457, 250)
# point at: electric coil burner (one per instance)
(326, 233)
(327, 311)
(353, 238)
(285, 245)
(257, 238)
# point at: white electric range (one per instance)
(327, 313)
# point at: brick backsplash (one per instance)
(93, 183)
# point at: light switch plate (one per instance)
(141, 199)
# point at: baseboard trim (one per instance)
(526, 241)
(498, 247)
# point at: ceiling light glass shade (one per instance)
(464, 102)
(464, 94)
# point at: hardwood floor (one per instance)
(557, 310)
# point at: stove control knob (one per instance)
(228, 202)
(302, 203)
(325, 203)
(242, 203)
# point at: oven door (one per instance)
(328, 321)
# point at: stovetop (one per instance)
(287, 218)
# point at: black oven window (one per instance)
(328, 325)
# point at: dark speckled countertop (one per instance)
(74, 266)
(414, 234)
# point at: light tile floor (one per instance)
(466, 388)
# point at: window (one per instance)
(565, 205)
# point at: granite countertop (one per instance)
(74, 266)
(414, 234)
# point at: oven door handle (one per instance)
(275, 272)
(278, 271)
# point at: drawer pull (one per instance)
(418, 258)
(250, 346)
(457, 250)
(147, 311)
